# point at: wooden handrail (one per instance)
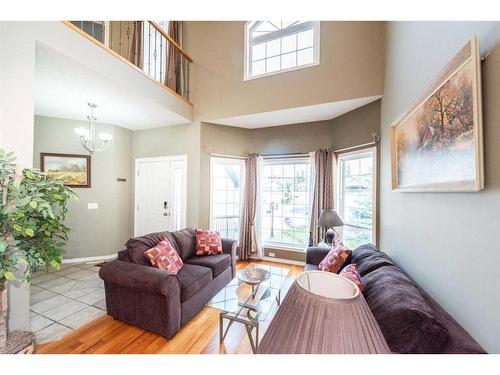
(121, 58)
(171, 40)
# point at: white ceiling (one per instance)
(317, 112)
(63, 87)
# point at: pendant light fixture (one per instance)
(88, 136)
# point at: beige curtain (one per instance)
(323, 192)
(248, 227)
(136, 48)
(173, 78)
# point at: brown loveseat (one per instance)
(159, 301)
(410, 320)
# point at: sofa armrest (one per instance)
(230, 247)
(123, 255)
(314, 254)
(140, 278)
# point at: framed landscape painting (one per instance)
(73, 169)
(438, 144)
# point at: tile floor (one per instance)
(64, 300)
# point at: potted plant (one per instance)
(32, 233)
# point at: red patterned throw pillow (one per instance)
(335, 259)
(208, 243)
(164, 257)
(350, 272)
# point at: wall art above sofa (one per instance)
(437, 146)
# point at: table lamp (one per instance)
(329, 219)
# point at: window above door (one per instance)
(273, 47)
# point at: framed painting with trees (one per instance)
(437, 146)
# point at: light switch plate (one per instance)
(92, 206)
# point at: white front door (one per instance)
(160, 194)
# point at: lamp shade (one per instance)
(323, 313)
(329, 219)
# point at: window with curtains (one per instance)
(356, 182)
(226, 190)
(285, 186)
(277, 46)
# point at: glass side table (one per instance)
(249, 303)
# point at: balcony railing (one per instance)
(150, 46)
(227, 226)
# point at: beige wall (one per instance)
(351, 66)
(105, 230)
(351, 129)
(448, 242)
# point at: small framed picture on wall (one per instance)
(73, 169)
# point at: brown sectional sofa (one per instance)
(159, 301)
(410, 320)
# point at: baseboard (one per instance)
(89, 259)
(287, 261)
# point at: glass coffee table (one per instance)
(249, 303)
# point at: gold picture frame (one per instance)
(437, 146)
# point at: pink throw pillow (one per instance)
(208, 243)
(164, 257)
(350, 272)
(335, 258)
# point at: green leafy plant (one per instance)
(32, 212)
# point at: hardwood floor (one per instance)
(200, 335)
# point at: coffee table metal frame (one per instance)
(251, 322)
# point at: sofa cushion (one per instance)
(208, 242)
(186, 242)
(335, 259)
(164, 257)
(217, 263)
(192, 278)
(139, 245)
(350, 272)
(407, 320)
(368, 258)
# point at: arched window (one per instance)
(278, 46)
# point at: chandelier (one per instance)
(88, 136)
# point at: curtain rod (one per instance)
(376, 140)
(364, 145)
(227, 156)
(285, 156)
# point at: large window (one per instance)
(227, 183)
(278, 46)
(356, 196)
(285, 202)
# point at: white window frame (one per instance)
(225, 160)
(247, 54)
(354, 155)
(284, 160)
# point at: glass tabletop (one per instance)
(236, 297)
